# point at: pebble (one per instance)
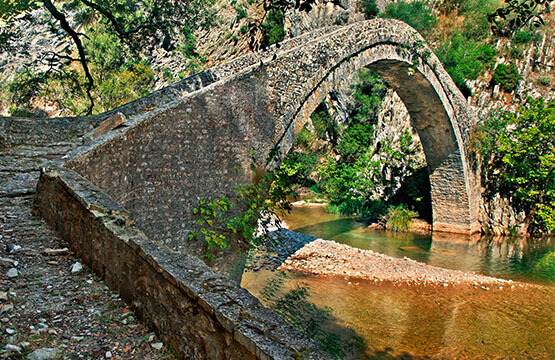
(76, 268)
(157, 345)
(12, 273)
(43, 354)
(77, 338)
(108, 355)
(12, 347)
(10, 331)
(6, 308)
(150, 337)
(3, 296)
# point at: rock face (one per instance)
(500, 218)
(326, 13)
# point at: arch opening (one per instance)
(360, 152)
(434, 115)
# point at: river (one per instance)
(414, 322)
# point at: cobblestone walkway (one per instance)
(51, 307)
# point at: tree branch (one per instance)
(80, 49)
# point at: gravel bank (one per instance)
(322, 257)
(51, 306)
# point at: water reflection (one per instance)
(409, 322)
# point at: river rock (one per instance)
(76, 268)
(12, 273)
(43, 354)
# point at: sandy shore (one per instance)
(322, 257)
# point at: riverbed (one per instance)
(406, 321)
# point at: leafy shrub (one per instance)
(417, 14)
(545, 80)
(398, 218)
(369, 8)
(464, 59)
(297, 167)
(518, 152)
(132, 81)
(272, 28)
(324, 126)
(522, 37)
(188, 45)
(506, 76)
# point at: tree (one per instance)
(268, 29)
(138, 25)
(518, 152)
(517, 14)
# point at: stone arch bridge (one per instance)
(202, 144)
(124, 198)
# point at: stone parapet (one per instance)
(197, 312)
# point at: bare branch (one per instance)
(80, 49)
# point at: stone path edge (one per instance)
(197, 312)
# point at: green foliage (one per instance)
(464, 59)
(297, 167)
(129, 82)
(476, 25)
(350, 166)
(296, 309)
(272, 28)
(12, 8)
(241, 13)
(216, 221)
(416, 13)
(398, 217)
(114, 33)
(518, 152)
(105, 50)
(515, 15)
(522, 37)
(369, 8)
(209, 218)
(506, 76)
(324, 126)
(188, 44)
(545, 80)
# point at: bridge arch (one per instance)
(437, 109)
(160, 163)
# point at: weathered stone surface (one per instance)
(109, 124)
(200, 323)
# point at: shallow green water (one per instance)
(511, 258)
(432, 322)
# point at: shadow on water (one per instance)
(410, 322)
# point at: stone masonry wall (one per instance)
(198, 313)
